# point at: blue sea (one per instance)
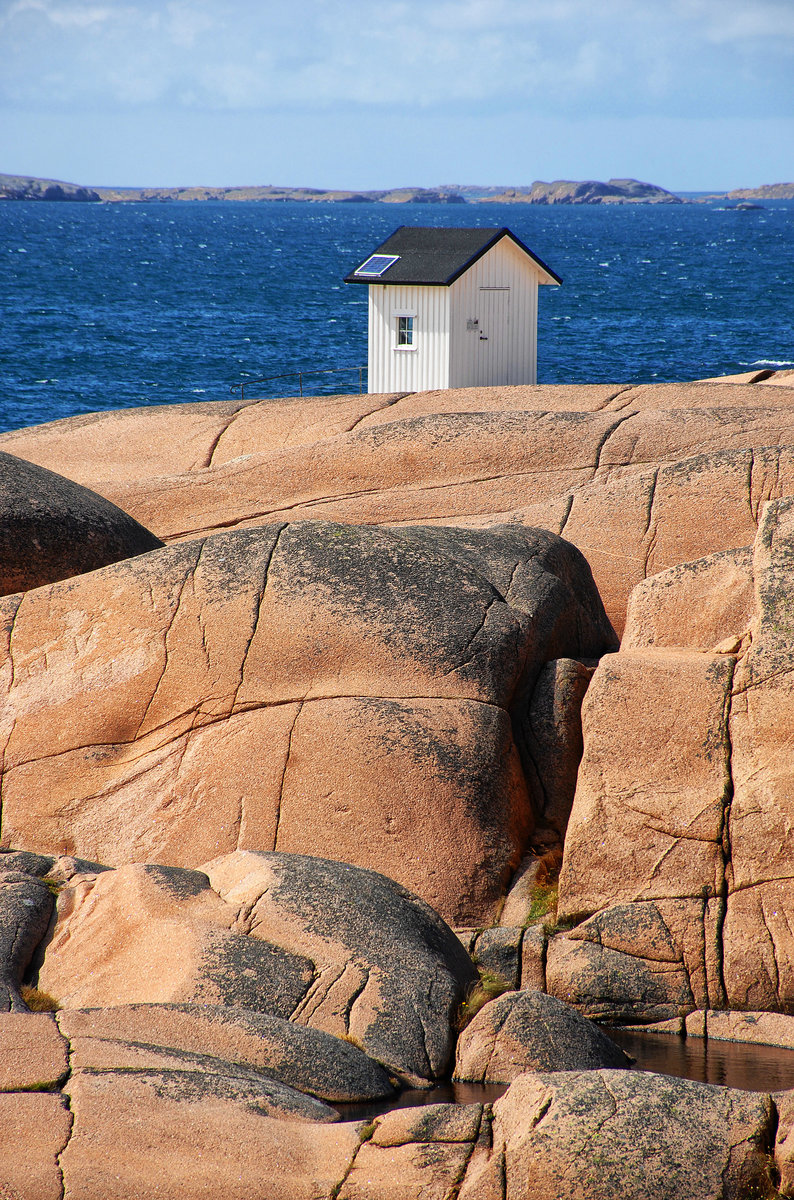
(113, 306)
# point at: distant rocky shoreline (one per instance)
(560, 191)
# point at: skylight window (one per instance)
(376, 264)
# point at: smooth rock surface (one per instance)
(133, 1141)
(34, 1129)
(52, 528)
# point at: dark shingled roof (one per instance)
(437, 255)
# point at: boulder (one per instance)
(497, 951)
(324, 944)
(25, 909)
(387, 971)
(358, 685)
(415, 1152)
(596, 1135)
(529, 1031)
(300, 1056)
(52, 528)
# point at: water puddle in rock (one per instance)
(740, 1065)
(442, 1093)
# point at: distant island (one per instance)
(768, 191)
(560, 191)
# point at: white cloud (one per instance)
(470, 55)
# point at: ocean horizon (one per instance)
(116, 306)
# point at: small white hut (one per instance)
(451, 308)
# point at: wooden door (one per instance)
(493, 363)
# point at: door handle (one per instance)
(483, 337)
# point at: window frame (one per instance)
(400, 315)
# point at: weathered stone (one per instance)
(759, 942)
(52, 528)
(533, 958)
(597, 1135)
(415, 1152)
(298, 1055)
(686, 776)
(377, 669)
(530, 1031)
(33, 1054)
(652, 961)
(153, 934)
(296, 937)
(668, 514)
(552, 738)
(498, 951)
(25, 909)
(696, 605)
(653, 782)
(759, 1028)
(396, 995)
(133, 1140)
(670, 472)
(34, 1129)
(195, 1078)
(784, 1142)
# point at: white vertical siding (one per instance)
(510, 356)
(418, 370)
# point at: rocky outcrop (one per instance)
(687, 901)
(587, 1135)
(381, 669)
(207, 1036)
(668, 473)
(26, 187)
(767, 191)
(409, 686)
(590, 191)
(52, 528)
(294, 937)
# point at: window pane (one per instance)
(405, 331)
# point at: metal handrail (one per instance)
(300, 374)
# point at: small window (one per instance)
(405, 331)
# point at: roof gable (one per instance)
(438, 255)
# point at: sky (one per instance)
(693, 95)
